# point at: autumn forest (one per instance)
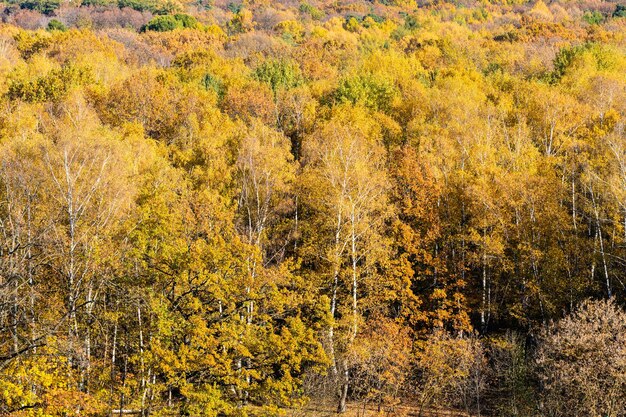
(303, 208)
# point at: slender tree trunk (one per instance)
(333, 299)
(29, 271)
(124, 374)
(343, 396)
(355, 315)
(331, 327)
(574, 202)
(142, 370)
(601, 243)
(607, 280)
(345, 384)
(113, 353)
(483, 309)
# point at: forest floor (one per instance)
(372, 410)
(356, 409)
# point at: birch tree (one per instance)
(345, 186)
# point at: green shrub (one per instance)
(41, 6)
(170, 22)
(279, 74)
(56, 25)
(314, 12)
(153, 6)
(593, 18)
(139, 5)
(162, 24)
(603, 57)
(411, 23)
(186, 21)
(235, 8)
(376, 18)
(97, 2)
(368, 90)
(565, 57)
(211, 83)
(620, 11)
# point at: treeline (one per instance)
(271, 16)
(218, 219)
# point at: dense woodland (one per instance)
(251, 209)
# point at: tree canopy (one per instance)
(238, 209)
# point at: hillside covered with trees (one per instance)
(251, 209)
